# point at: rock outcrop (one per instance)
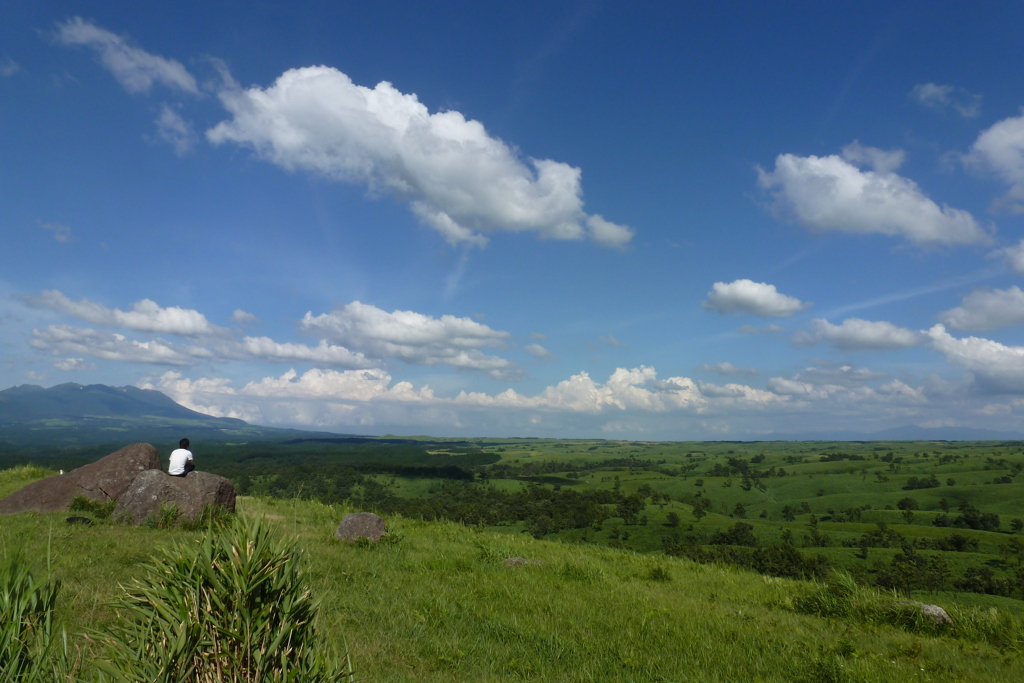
(102, 481)
(154, 489)
(360, 525)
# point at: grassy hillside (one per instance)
(435, 602)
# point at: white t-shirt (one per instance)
(178, 459)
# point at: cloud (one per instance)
(61, 233)
(264, 348)
(754, 329)
(172, 128)
(413, 337)
(538, 336)
(9, 67)
(789, 387)
(69, 364)
(145, 316)
(610, 340)
(837, 374)
(1014, 257)
(135, 69)
(608, 234)
(457, 178)
(67, 341)
(880, 160)
(996, 367)
(240, 316)
(1000, 150)
(728, 369)
(987, 310)
(831, 193)
(855, 334)
(940, 97)
(538, 351)
(636, 389)
(756, 298)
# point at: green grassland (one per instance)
(605, 517)
(434, 601)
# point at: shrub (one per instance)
(93, 507)
(234, 608)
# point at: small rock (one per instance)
(360, 525)
(932, 613)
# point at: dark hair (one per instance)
(183, 443)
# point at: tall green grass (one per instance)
(32, 649)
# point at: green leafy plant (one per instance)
(233, 608)
(30, 650)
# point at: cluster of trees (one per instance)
(970, 517)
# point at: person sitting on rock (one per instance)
(181, 462)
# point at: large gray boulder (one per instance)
(360, 525)
(154, 489)
(101, 481)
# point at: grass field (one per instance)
(435, 602)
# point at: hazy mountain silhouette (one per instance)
(75, 414)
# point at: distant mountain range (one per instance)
(76, 414)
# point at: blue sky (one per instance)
(552, 219)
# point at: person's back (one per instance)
(181, 461)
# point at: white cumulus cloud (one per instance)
(145, 315)
(987, 310)
(265, 348)
(67, 341)
(134, 68)
(855, 334)
(832, 193)
(458, 179)
(1000, 150)
(996, 367)
(757, 298)
(413, 337)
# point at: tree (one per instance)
(698, 512)
(951, 482)
(789, 513)
(944, 505)
(908, 515)
(672, 519)
(1016, 525)
(740, 511)
(907, 503)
